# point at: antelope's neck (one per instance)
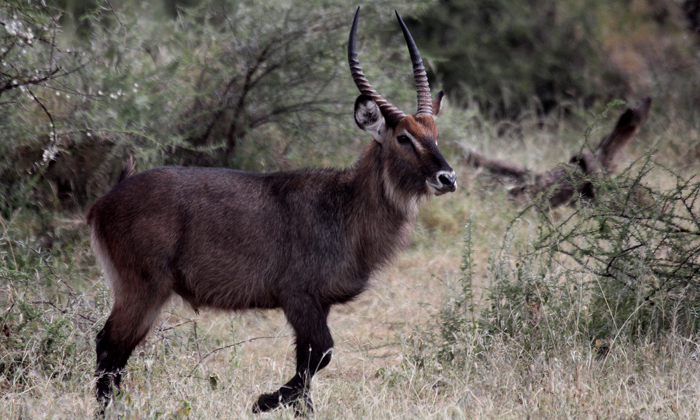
(379, 216)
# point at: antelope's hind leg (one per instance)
(128, 324)
(313, 352)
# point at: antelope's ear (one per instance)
(369, 118)
(437, 103)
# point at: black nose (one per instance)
(447, 179)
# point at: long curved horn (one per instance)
(392, 114)
(425, 104)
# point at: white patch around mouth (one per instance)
(437, 190)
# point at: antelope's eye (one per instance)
(403, 139)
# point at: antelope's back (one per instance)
(217, 237)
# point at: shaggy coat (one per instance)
(231, 240)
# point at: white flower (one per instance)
(49, 153)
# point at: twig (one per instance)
(118, 20)
(196, 339)
(62, 311)
(175, 326)
(238, 343)
(53, 126)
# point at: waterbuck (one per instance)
(301, 241)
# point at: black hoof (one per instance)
(107, 384)
(300, 401)
(267, 402)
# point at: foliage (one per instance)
(46, 325)
(508, 55)
(454, 320)
(504, 53)
(642, 244)
(30, 59)
(245, 85)
(623, 268)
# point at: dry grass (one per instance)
(370, 376)
(190, 368)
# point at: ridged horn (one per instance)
(425, 104)
(392, 114)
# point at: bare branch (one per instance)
(216, 350)
(566, 183)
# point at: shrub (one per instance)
(245, 85)
(46, 327)
(642, 246)
(511, 55)
(622, 267)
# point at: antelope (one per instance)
(301, 241)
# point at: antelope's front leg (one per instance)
(313, 350)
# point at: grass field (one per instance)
(385, 365)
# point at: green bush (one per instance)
(510, 56)
(624, 268)
(505, 53)
(46, 327)
(247, 85)
(641, 243)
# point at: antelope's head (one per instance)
(413, 165)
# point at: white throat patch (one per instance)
(407, 205)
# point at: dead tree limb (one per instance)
(567, 182)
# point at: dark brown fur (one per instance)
(231, 240)
(301, 241)
(246, 225)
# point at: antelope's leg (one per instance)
(313, 351)
(128, 324)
